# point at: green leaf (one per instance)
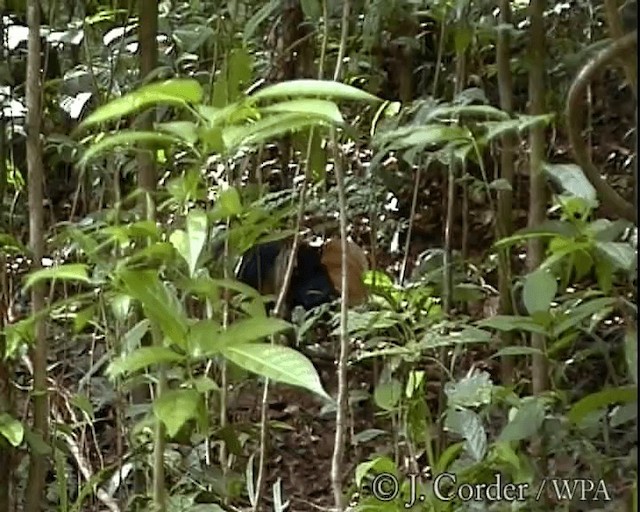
(463, 36)
(187, 131)
(600, 399)
(273, 126)
(189, 244)
(207, 339)
(175, 407)
(83, 317)
(278, 363)
(178, 91)
(317, 157)
(425, 136)
(261, 15)
(513, 323)
(68, 272)
(494, 129)
(11, 429)
(142, 358)
(449, 112)
(314, 107)
(239, 68)
(311, 9)
(471, 391)
(620, 254)
(306, 87)
(158, 302)
(387, 394)
(9, 242)
(573, 316)
(548, 229)
(83, 403)
(448, 456)
(378, 465)
(571, 179)
(126, 138)
(540, 287)
(517, 351)
(526, 422)
(229, 203)
(468, 424)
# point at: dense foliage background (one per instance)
(483, 154)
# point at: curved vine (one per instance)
(611, 200)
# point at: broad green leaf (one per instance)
(600, 399)
(120, 306)
(175, 407)
(282, 364)
(212, 140)
(624, 414)
(8, 241)
(205, 384)
(620, 254)
(185, 130)
(306, 87)
(142, 358)
(178, 91)
(68, 272)
(83, 403)
(548, 229)
(378, 279)
(450, 454)
(83, 317)
(449, 112)
(11, 429)
(158, 302)
(126, 138)
(496, 129)
(203, 285)
(570, 178)
(378, 465)
(317, 156)
(428, 136)
(190, 243)
(540, 287)
(229, 203)
(526, 422)
(239, 69)
(368, 435)
(197, 231)
(604, 274)
(462, 35)
(260, 16)
(574, 316)
(311, 9)
(387, 394)
(471, 391)
(517, 351)
(320, 108)
(201, 338)
(513, 323)
(466, 336)
(207, 339)
(270, 127)
(468, 424)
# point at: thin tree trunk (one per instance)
(38, 462)
(504, 224)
